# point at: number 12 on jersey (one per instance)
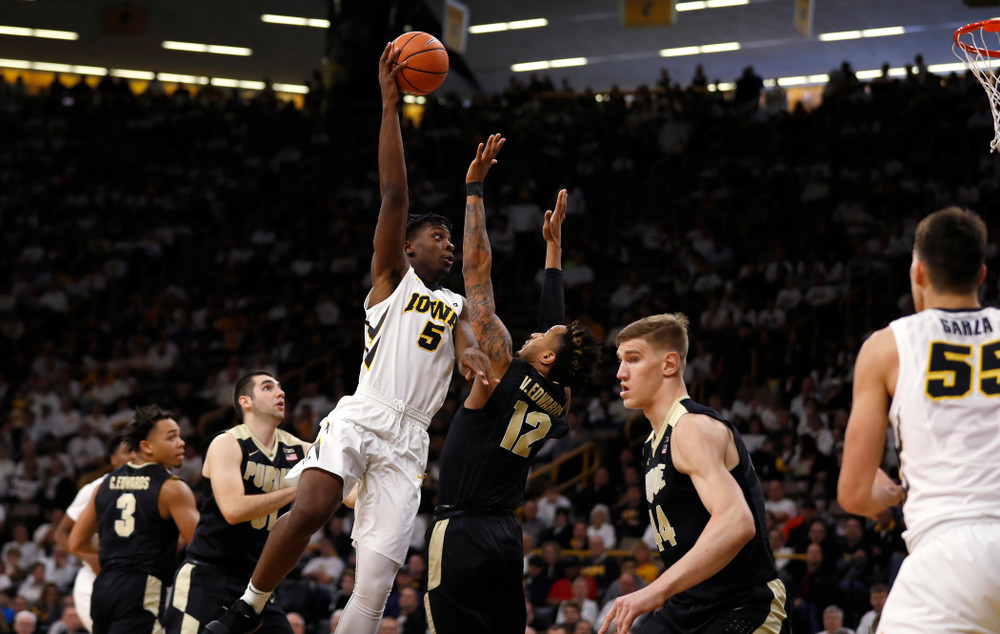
(539, 425)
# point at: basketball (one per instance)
(426, 62)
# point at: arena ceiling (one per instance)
(590, 29)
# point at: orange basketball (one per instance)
(426, 62)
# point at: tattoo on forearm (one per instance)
(490, 332)
(476, 236)
(492, 336)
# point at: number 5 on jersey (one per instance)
(430, 338)
(951, 368)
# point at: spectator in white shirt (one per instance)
(86, 451)
(326, 567)
(551, 500)
(789, 297)
(320, 404)
(31, 588)
(877, 596)
(162, 356)
(61, 569)
(777, 504)
(600, 526)
(65, 421)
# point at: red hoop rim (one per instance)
(990, 26)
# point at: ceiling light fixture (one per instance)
(49, 34)
(552, 63)
(293, 20)
(696, 50)
(709, 4)
(194, 47)
(533, 23)
(854, 35)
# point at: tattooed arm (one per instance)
(477, 260)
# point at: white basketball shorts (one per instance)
(384, 448)
(950, 583)
(83, 590)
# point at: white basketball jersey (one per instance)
(75, 509)
(946, 416)
(409, 343)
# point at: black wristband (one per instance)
(474, 189)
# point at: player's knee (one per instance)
(311, 514)
(370, 596)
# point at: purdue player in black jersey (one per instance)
(244, 473)
(137, 512)
(475, 550)
(705, 501)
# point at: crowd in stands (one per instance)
(159, 245)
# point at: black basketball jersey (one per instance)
(678, 516)
(132, 534)
(237, 547)
(488, 451)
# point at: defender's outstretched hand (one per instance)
(486, 157)
(474, 361)
(552, 228)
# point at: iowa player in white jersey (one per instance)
(244, 473)
(475, 553)
(705, 502)
(83, 585)
(138, 512)
(415, 331)
(935, 376)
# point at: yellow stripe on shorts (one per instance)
(435, 552)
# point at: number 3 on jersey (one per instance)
(125, 526)
(539, 422)
(951, 367)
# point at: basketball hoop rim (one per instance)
(990, 26)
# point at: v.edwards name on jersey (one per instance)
(541, 397)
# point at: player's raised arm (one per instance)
(388, 262)
(477, 260)
(552, 305)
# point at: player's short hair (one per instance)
(668, 332)
(142, 424)
(951, 243)
(244, 387)
(416, 221)
(576, 356)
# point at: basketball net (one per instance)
(978, 45)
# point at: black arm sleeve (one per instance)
(552, 305)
